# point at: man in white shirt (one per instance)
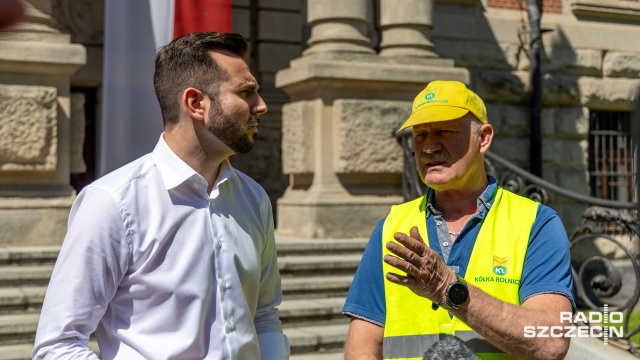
(173, 255)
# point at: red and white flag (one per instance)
(130, 122)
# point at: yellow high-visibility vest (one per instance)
(495, 266)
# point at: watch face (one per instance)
(458, 294)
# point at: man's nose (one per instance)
(260, 106)
(431, 145)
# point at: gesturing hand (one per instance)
(427, 275)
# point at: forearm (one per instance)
(62, 350)
(503, 324)
(364, 341)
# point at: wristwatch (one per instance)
(457, 294)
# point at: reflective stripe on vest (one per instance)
(495, 267)
(414, 346)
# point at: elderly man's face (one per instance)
(448, 153)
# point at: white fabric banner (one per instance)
(130, 122)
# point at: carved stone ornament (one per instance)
(28, 134)
(83, 19)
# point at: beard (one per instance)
(229, 130)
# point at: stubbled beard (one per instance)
(229, 130)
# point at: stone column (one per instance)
(406, 28)
(338, 148)
(338, 26)
(36, 63)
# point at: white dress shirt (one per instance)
(160, 269)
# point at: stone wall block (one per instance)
(559, 90)
(269, 63)
(508, 120)
(572, 122)
(548, 121)
(277, 26)
(473, 53)
(621, 64)
(516, 150)
(297, 137)
(240, 21)
(563, 154)
(612, 94)
(574, 180)
(576, 61)
(28, 129)
(365, 135)
(501, 86)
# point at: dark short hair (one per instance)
(187, 62)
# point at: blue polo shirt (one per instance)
(547, 264)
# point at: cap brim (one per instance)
(434, 114)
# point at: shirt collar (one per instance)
(485, 200)
(175, 171)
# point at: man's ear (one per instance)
(486, 136)
(194, 102)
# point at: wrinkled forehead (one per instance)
(447, 124)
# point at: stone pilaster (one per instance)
(338, 148)
(36, 63)
(406, 29)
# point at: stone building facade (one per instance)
(339, 77)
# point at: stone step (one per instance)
(321, 338)
(22, 298)
(28, 298)
(29, 255)
(297, 312)
(295, 246)
(317, 286)
(285, 246)
(319, 264)
(21, 275)
(18, 328)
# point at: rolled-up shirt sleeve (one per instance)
(92, 261)
(274, 344)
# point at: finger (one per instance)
(400, 280)
(417, 245)
(401, 265)
(404, 253)
(416, 234)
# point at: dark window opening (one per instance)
(612, 173)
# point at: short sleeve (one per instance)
(547, 265)
(365, 299)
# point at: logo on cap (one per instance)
(430, 92)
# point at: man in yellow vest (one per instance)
(469, 259)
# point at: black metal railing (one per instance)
(611, 278)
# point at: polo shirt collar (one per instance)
(485, 200)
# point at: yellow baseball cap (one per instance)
(445, 100)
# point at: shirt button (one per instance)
(439, 223)
(219, 245)
(445, 244)
(229, 328)
(223, 287)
